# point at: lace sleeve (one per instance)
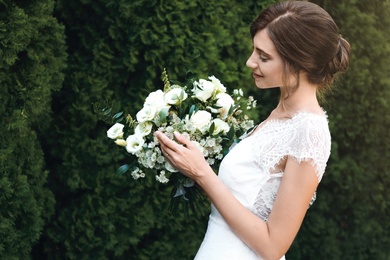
(310, 141)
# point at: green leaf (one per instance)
(118, 117)
(230, 134)
(163, 115)
(211, 129)
(192, 110)
(121, 170)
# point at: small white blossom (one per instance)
(162, 178)
(137, 173)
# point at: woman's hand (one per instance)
(184, 156)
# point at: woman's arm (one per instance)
(271, 239)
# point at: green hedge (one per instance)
(58, 182)
(32, 56)
(117, 52)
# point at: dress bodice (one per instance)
(248, 170)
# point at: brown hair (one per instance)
(307, 39)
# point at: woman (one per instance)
(267, 181)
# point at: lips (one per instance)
(256, 76)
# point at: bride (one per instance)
(267, 181)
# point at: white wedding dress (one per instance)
(246, 171)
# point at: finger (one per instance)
(183, 140)
(166, 142)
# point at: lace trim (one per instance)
(305, 137)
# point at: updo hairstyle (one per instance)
(307, 39)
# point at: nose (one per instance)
(250, 63)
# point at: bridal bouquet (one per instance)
(202, 110)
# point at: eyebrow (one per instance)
(263, 52)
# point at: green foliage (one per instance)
(350, 219)
(117, 52)
(32, 57)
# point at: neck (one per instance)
(304, 98)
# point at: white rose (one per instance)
(120, 142)
(224, 102)
(219, 87)
(134, 143)
(155, 99)
(220, 126)
(203, 89)
(116, 131)
(143, 129)
(147, 113)
(175, 96)
(201, 120)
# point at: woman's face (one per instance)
(265, 62)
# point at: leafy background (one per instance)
(59, 195)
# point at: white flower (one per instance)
(143, 129)
(220, 126)
(175, 96)
(197, 144)
(203, 89)
(155, 99)
(201, 120)
(162, 178)
(224, 101)
(137, 173)
(116, 131)
(219, 87)
(120, 142)
(147, 113)
(134, 143)
(169, 167)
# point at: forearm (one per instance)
(247, 226)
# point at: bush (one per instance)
(117, 52)
(32, 58)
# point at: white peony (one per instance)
(224, 102)
(175, 96)
(201, 120)
(143, 129)
(203, 89)
(116, 131)
(134, 143)
(218, 86)
(220, 126)
(147, 113)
